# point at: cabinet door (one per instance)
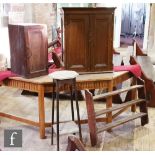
(76, 42)
(101, 42)
(36, 47)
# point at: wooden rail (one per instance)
(120, 121)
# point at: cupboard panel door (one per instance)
(101, 51)
(36, 43)
(76, 42)
(88, 39)
(28, 49)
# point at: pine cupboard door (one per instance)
(36, 50)
(76, 42)
(101, 42)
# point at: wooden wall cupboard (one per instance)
(88, 39)
(28, 47)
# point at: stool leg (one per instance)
(77, 107)
(72, 106)
(53, 98)
(57, 98)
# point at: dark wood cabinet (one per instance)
(28, 47)
(88, 39)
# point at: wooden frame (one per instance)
(92, 114)
(44, 84)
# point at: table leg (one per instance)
(41, 111)
(134, 95)
(109, 102)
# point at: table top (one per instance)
(81, 78)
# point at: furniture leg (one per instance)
(109, 102)
(77, 107)
(53, 98)
(91, 118)
(72, 107)
(57, 98)
(41, 111)
(143, 106)
(133, 95)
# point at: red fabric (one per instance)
(57, 50)
(135, 69)
(49, 56)
(6, 74)
(53, 68)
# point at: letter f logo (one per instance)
(12, 138)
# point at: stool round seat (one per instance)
(63, 75)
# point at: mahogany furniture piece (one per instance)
(92, 114)
(74, 144)
(44, 84)
(28, 46)
(87, 39)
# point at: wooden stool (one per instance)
(61, 78)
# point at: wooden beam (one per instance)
(19, 119)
